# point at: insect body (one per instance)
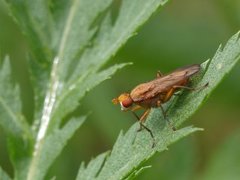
(154, 93)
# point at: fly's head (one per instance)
(124, 100)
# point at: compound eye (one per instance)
(127, 102)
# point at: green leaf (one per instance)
(225, 162)
(68, 101)
(129, 152)
(11, 118)
(35, 21)
(113, 34)
(132, 149)
(52, 147)
(4, 175)
(93, 168)
(70, 42)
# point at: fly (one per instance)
(155, 93)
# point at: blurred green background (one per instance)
(183, 32)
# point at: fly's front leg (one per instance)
(144, 116)
(134, 108)
(142, 126)
(142, 119)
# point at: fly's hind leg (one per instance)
(191, 88)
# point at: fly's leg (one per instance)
(134, 108)
(142, 118)
(140, 123)
(169, 94)
(136, 115)
(159, 104)
(150, 132)
(191, 88)
(142, 126)
(165, 116)
(162, 109)
(177, 94)
(159, 74)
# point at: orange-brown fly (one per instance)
(154, 93)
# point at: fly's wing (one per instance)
(189, 70)
(163, 84)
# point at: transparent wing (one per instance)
(163, 84)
